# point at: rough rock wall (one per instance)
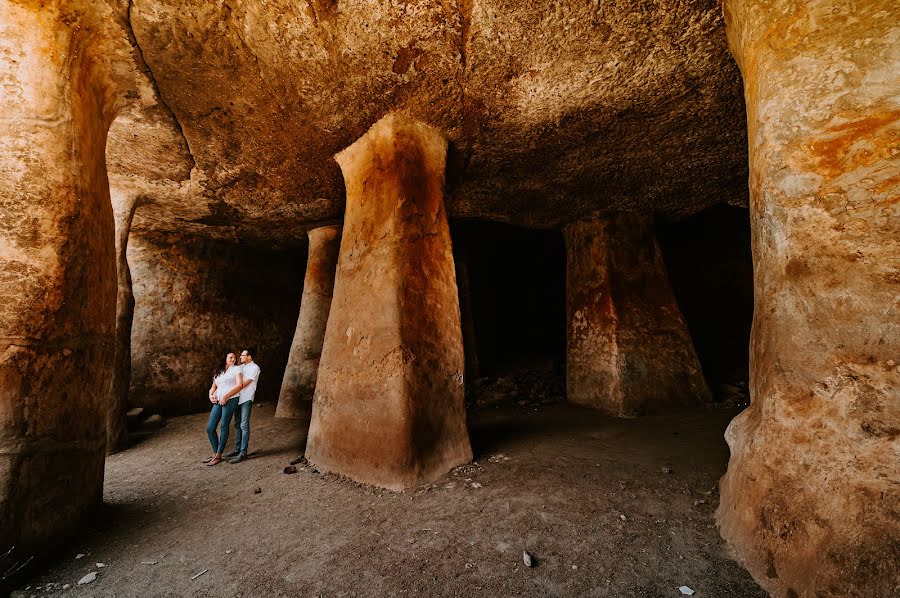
(811, 499)
(197, 299)
(552, 109)
(60, 88)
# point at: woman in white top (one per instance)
(226, 376)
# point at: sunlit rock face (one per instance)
(60, 87)
(389, 402)
(811, 499)
(244, 103)
(196, 300)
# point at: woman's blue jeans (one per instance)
(220, 414)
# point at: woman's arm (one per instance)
(212, 391)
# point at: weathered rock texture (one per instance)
(628, 349)
(116, 431)
(299, 384)
(195, 300)
(811, 499)
(60, 88)
(389, 403)
(642, 109)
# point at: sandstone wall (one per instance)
(197, 299)
(58, 96)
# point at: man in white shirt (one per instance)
(247, 389)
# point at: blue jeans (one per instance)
(220, 414)
(242, 428)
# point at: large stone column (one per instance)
(811, 499)
(299, 384)
(628, 349)
(116, 431)
(389, 402)
(57, 264)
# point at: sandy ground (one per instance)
(589, 497)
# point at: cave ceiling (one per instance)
(553, 110)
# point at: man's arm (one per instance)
(238, 388)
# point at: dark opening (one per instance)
(711, 271)
(516, 285)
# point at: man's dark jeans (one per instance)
(242, 427)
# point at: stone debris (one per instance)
(498, 458)
(149, 562)
(89, 578)
(301, 460)
(153, 422)
(196, 575)
(533, 387)
(101, 565)
(79, 555)
(257, 490)
(686, 591)
(667, 470)
(526, 558)
(623, 517)
(476, 485)
(290, 469)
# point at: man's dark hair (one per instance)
(251, 351)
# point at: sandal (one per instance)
(208, 459)
(214, 461)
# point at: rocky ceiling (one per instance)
(553, 109)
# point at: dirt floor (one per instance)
(605, 507)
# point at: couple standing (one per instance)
(232, 389)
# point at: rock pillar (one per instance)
(116, 431)
(811, 499)
(389, 401)
(299, 384)
(628, 349)
(57, 263)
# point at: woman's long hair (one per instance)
(222, 365)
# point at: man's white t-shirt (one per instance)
(251, 372)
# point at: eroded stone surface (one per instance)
(643, 109)
(196, 300)
(299, 384)
(116, 431)
(389, 401)
(60, 87)
(811, 499)
(628, 349)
